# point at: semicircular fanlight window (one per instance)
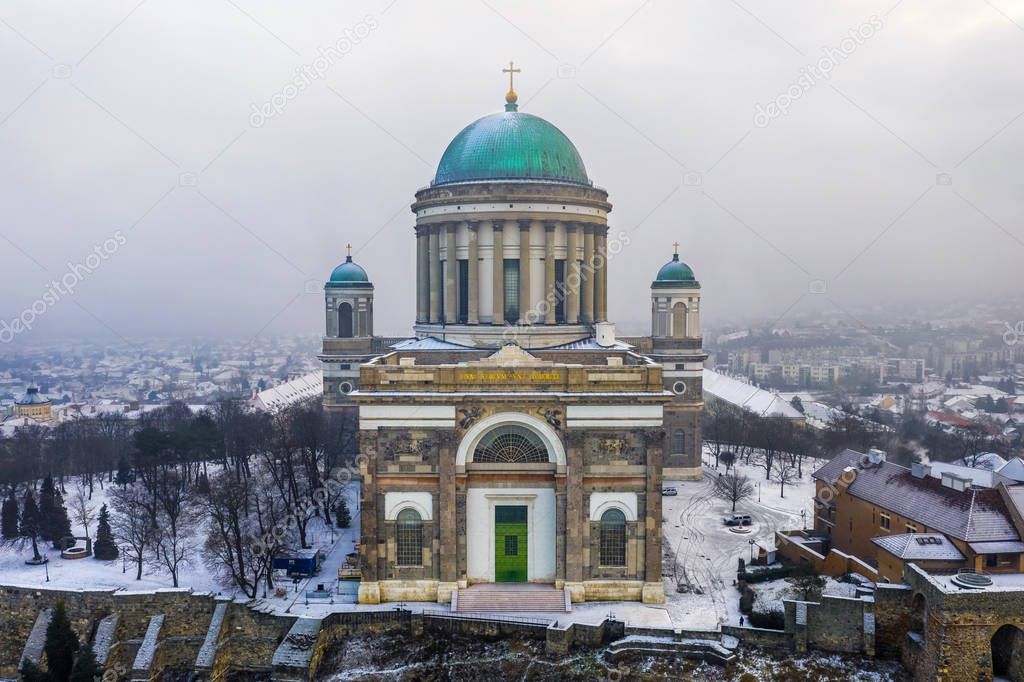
(511, 445)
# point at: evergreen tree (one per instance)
(9, 517)
(54, 524)
(104, 548)
(30, 522)
(86, 668)
(61, 645)
(30, 672)
(342, 516)
(124, 473)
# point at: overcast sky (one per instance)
(132, 124)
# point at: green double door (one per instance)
(510, 533)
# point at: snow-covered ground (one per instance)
(91, 574)
(701, 551)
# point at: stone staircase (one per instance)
(506, 598)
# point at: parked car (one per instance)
(669, 492)
(738, 520)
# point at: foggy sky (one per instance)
(136, 119)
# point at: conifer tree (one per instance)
(30, 522)
(342, 516)
(86, 668)
(124, 473)
(9, 517)
(61, 645)
(105, 548)
(54, 524)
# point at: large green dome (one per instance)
(511, 145)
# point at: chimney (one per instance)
(876, 456)
(604, 334)
(919, 470)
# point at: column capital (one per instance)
(549, 225)
(524, 225)
(473, 225)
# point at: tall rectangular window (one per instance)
(511, 290)
(463, 291)
(560, 291)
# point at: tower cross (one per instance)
(511, 71)
(349, 247)
(676, 246)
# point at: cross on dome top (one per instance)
(511, 98)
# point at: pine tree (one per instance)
(54, 524)
(104, 548)
(86, 668)
(30, 522)
(61, 645)
(342, 516)
(9, 517)
(124, 473)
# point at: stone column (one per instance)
(474, 274)
(369, 588)
(451, 275)
(525, 302)
(446, 515)
(572, 282)
(601, 280)
(434, 256)
(422, 274)
(587, 313)
(574, 515)
(550, 293)
(653, 590)
(499, 273)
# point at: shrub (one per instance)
(772, 620)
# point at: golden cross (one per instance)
(676, 245)
(511, 71)
(349, 247)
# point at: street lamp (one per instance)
(46, 568)
(751, 543)
(803, 517)
(759, 491)
(124, 558)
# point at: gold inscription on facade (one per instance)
(509, 376)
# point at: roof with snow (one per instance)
(1013, 470)
(747, 396)
(290, 392)
(972, 515)
(919, 547)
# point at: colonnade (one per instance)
(537, 245)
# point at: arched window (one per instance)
(410, 538)
(679, 321)
(678, 442)
(613, 538)
(345, 321)
(511, 444)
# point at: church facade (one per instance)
(514, 438)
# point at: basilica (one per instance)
(514, 438)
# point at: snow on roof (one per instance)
(978, 477)
(290, 392)
(919, 547)
(1014, 469)
(747, 396)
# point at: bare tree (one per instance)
(733, 487)
(132, 523)
(234, 545)
(82, 511)
(784, 474)
(175, 522)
